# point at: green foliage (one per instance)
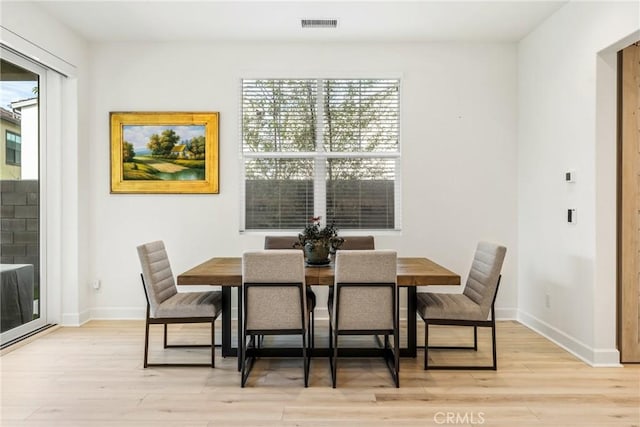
(136, 170)
(358, 121)
(197, 146)
(281, 116)
(161, 145)
(192, 164)
(313, 232)
(127, 152)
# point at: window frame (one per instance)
(15, 151)
(320, 158)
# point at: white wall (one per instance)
(560, 107)
(29, 141)
(29, 30)
(459, 120)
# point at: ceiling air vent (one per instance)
(319, 23)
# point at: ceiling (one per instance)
(381, 21)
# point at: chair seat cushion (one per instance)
(431, 305)
(191, 304)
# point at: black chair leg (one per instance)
(475, 338)
(213, 342)
(242, 349)
(493, 366)
(247, 361)
(165, 335)
(331, 351)
(396, 355)
(493, 340)
(146, 342)
(334, 365)
(305, 359)
(426, 346)
(313, 328)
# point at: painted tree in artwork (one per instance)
(127, 152)
(161, 145)
(197, 146)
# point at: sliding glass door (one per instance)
(22, 261)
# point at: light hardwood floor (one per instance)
(93, 376)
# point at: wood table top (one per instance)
(228, 272)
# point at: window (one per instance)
(24, 229)
(14, 152)
(321, 147)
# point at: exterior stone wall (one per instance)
(288, 204)
(20, 225)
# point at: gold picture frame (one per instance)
(164, 152)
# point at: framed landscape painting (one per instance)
(158, 152)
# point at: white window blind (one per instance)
(321, 147)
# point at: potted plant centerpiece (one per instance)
(318, 242)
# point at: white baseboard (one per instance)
(591, 356)
(506, 314)
(75, 319)
(606, 358)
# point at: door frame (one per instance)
(42, 319)
(625, 279)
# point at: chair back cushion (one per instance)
(280, 242)
(352, 243)
(482, 282)
(362, 306)
(156, 270)
(274, 307)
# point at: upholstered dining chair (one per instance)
(275, 302)
(358, 243)
(473, 307)
(165, 305)
(288, 242)
(280, 242)
(365, 302)
(354, 243)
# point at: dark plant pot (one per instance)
(316, 253)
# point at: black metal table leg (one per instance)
(227, 351)
(240, 320)
(410, 351)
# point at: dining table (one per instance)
(227, 273)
